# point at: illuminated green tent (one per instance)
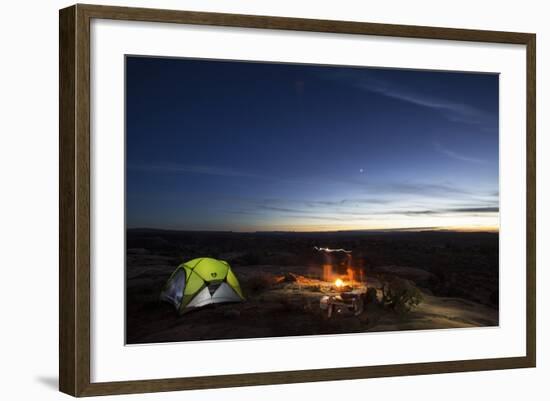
(200, 282)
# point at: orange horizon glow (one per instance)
(306, 229)
(319, 229)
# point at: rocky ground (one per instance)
(281, 301)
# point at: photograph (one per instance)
(276, 199)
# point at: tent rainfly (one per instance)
(200, 282)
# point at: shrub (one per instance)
(400, 295)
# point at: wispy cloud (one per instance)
(471, 210)
(493, 209)
(320, 213)
(453, 111)
(330, 212)
(220, 171)
(347, 202)
(300, 214)
(450, 109)
(195, 169)
(421, 189)
(457, 156)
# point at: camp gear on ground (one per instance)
(345, 303)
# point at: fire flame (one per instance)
(339, 283)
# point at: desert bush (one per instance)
(400, 295)
(371, 296)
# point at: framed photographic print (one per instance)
(278, 200)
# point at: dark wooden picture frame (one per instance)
(74, 203)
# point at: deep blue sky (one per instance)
(241, 146)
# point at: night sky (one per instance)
(242, 146)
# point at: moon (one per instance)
(361, 170)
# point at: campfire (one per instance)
(346, 285)
(341, 286)
(339, 269)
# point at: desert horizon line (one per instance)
(480, 229)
